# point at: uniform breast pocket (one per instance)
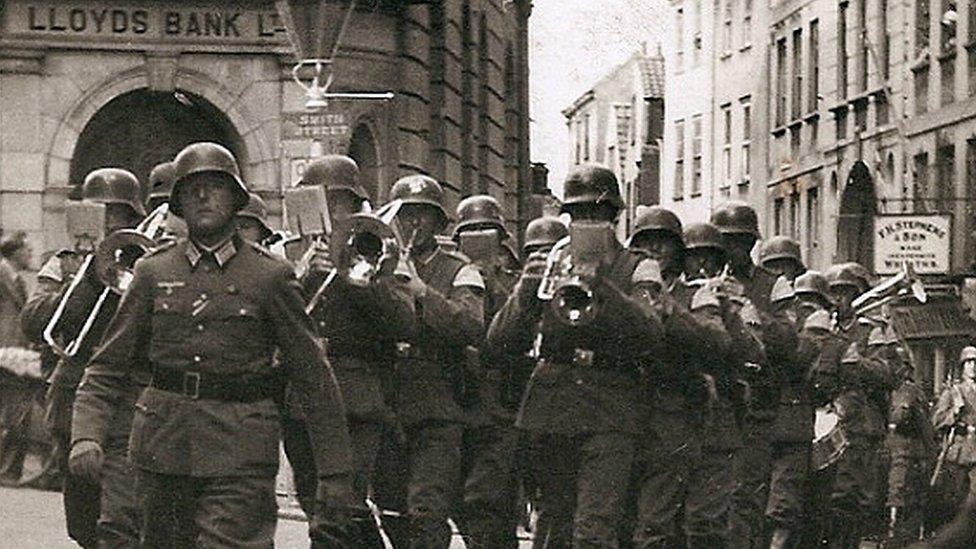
(169, 319)
(242, 325)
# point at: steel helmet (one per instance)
(736, 217)
(812, 283)
(779, 247)
(968, 353)
(862, 273)
(818, 320)
(703, 235)
(843, 274)
(206, 157)
(480, 211)
(335, 172)
(544, 232)
(877, 337)
(420, 189)
(161, 180)
(591, 184)
(256, 209)
(656, 218)
(782, 290)
(114, 186)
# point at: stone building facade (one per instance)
(95, 84)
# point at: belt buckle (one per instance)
(582, 357)
(191, 385)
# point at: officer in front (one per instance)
(118, 190)
(581, 404)
(207, 314)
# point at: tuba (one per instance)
(111, 263)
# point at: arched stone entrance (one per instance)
(141, 128)
(858, 204)
(362, 148)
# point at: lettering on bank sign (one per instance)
(922, 240)
(217, 22)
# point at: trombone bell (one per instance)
(117, 254)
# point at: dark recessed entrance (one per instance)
(142, 128)
(362, 149)
(858, 204)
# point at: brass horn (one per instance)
(365, 247)
(112, 263)
(570, 269)
(903, 284)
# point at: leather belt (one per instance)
(197, 386)
(578, 357)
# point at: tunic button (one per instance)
(243, 312)
(203, 296)
(165, 306)
(579, 381)
(199, 327)
(196, 358)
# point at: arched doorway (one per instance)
(142, 128)
(362, 149)
(858, 204)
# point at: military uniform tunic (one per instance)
(213, 320)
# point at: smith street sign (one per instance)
(920, 239)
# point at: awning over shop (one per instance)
(941, 319)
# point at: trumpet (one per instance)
(111, 263)
(902, 284)
(365, 246)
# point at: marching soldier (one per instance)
(161, 179)
(448, 294)
(793, 428)
(489, 513)
(861, 386)
(581, 404)
(206, 315)
(909, 443)
(740, 231)
(360, 326)
(109, 513)
(954, 418)
(675, 471)
(541, 234)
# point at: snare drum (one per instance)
(829, 439)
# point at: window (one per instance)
(679, 156)
(727, 27)
(797, 73)
(746, 23)
(814, 65)
(972, 21)
(586, 136)
(813, 225)
(860, 116)
(727, 145)
(795, 141)
(921, 81)
(862, 46)
(947, 70)
(881, 108)
(779, 216)
(781, 81)
(795, 216)
(697, 36)
(842, 50)
(920, 185)
(945, 163)
(970, 203)
(679, 55)
(971, 59)
(578, 141)
(746, 140)
(840, 117)
(696, 151)
(922, 26)
(947, 26)
(885, 45)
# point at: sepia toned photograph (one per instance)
(488, 274)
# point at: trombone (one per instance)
(904, 283)
(112, 262)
